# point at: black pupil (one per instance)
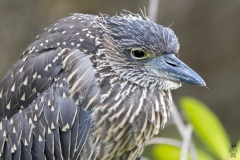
(138, 53)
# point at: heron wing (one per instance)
(41, 113)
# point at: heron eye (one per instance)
(138, 54)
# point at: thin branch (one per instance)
(153, 9)
(168, 141)
(181, 128)
(144, 158)
(186, 142)
(178, 120)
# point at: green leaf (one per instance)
(167, 152)
(163, 152)
(207, 126)
(203, 156)
(238, 151)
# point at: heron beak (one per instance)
(168, 66)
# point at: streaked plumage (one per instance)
(77, 92)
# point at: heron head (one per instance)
(144, 53)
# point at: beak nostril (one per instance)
(172, 64)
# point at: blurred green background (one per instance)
(208, 32)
